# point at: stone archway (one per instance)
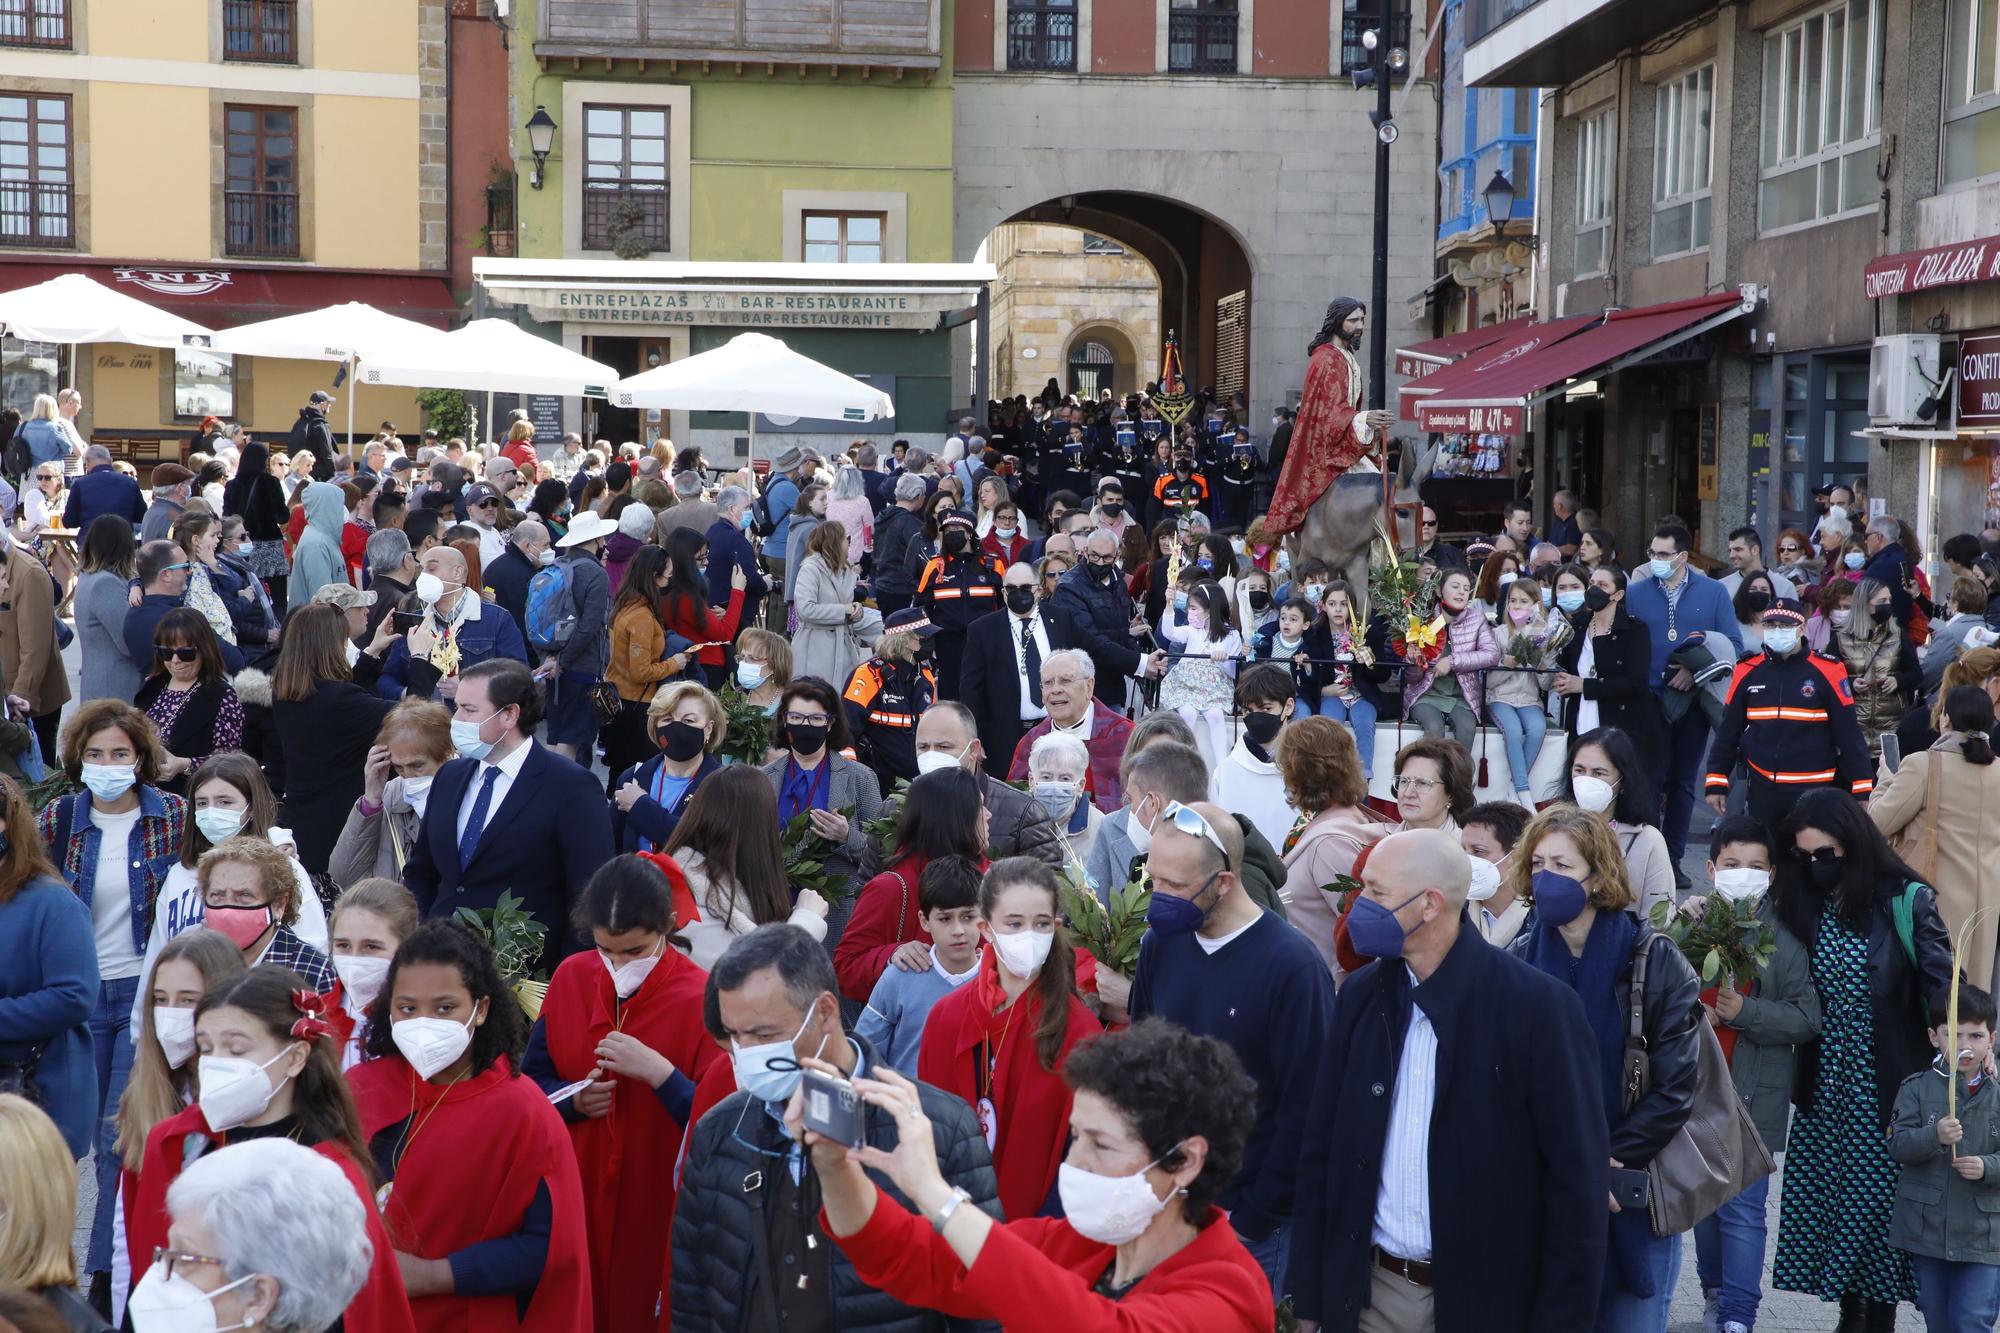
(1107, 350)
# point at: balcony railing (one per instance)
(1200, 42)
(38, 214)
(1041, 37)
(42, 23)
(260, 224)
(611, 212)
(1353, 55)
(500, 218)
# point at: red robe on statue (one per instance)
(471, 1163)
(972, 1052)
(1326, 439)
(627, 1157)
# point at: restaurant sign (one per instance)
(1468, 419)
(1941, 266)
(1979, 380)
(750, 307)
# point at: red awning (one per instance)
(1493, 397)
(224, 294)
(1526, 336)
(1424, 357)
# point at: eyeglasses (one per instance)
(1413, 784)
(1788, 549)
(177, 652)
(1430, 522)
(1819, 855)
(807, 719)
(1189, 821)
(163, 1255)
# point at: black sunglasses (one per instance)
(177, 654)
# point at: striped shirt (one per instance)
(1403, 1202)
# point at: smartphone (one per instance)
(1892, 751)
(1631, 1188)
(405, 621)
(833, 1109)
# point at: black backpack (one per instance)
(17, 460)
(761, 522)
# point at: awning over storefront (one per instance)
(1939, 266)
(1525, 337)
(1492, 396)
(223, 294)
(1424, 357)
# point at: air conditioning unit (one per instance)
(1904, 372)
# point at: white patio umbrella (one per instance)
(494, 356)
(73, 309)
(753, 373)
(352, 333)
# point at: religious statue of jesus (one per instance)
(1333, 432)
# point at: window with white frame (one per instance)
(1822, 131)
(1596, 160)
(1972, 92)
(1683, 143)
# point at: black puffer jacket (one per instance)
(713, 1250)
(897, 529)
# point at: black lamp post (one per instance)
(1385, 62)
(1499, 194)
(541, 138)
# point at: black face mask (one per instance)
(682, 740)
(806, 737)
(1105, 574)
(1260, 600)
(1113, 508)
(1262, 728)
(1596, 598)
(1021, 598)
(1826, 875)
(954, 541)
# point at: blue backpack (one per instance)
(551, 612)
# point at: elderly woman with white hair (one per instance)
(266, 1235)
(1058, 768)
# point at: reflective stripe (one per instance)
(1718, 780)
(1760, 714)
(1862, 786)
(942, 593)
(1802, 714)
(1826, 775)
(981, 590)
(894, 719)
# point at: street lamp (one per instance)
(1499, 194)
(541, 138)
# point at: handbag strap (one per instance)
(1637, 1065)
(1927, 843)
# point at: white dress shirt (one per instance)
(510, 768)
(1403, 1201)
(1030, 710)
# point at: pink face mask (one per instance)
(1520, 615)
(1197, 618)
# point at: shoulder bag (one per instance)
(1917, 844)
(1717, 1153)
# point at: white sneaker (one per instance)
(1733, 1327)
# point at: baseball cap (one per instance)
(480, 494)
(343, 595)
(320, 396)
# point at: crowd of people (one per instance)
(556, 887)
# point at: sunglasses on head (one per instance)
(177, 653)
(1189, 821)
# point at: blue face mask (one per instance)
(1547, 595)
(1571, 602)
(1180, 601)
(1854, 559)
(771, 1072)
(1374, 929)
(1169, 915)
(749, 674)
(465, 738)
(1559, 899)
(1661, 569)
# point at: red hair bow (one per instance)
(311, 1005)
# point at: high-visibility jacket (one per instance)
(884, 698)
(1175, 494)
(1790, 720)
(958, 591)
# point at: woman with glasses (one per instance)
(1432, 787)
(838, 796)
(269, 1069)
(103, 598)
(1795, 558)
(38, 1181)
(763, 668)
(413, 744)
(189, 697)
(250, 893)
(483, 1203)
(1881, 664)
(625, 1018)
(1841, 891)
(1584, 934)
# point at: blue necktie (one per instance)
(476, 825)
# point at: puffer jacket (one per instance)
(1885, 654)
(1473, 649)
(715, 1255)
(1938, 1213)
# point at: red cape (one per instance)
(1324, 444)
(626, 1158)
(1030, 1102)
(379, 1307)
(469, 1175)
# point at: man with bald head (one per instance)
(1221, 966)
(1098, 601)
(458, 630)
(1409, 1219)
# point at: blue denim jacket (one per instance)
(73, 838)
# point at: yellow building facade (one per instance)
(231, 161)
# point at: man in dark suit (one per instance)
(509, 576)
(1393, 1206)
(509, 815)
(1001, 678)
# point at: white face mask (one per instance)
(162, 1304)
(174, 1029)
(360, 977)
(108, 782)
(1024, 952)
(217, 824)
(417, 791)
(429, 588)
(1141, 831)
(431, 1045)
(627, 979)
(1485, 880)
(1110, 1210)
(1593, 793)
(936, 761)
(235, 1090)
(1742, 884)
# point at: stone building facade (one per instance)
(1072, 305)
